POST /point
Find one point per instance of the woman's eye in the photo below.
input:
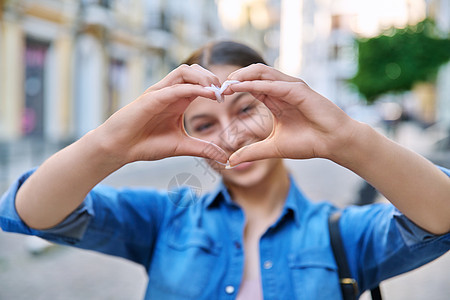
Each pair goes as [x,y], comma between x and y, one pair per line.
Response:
[246,109]
[203,127]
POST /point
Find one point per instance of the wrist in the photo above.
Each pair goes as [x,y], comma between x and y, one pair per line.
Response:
[101,151]
[357,148]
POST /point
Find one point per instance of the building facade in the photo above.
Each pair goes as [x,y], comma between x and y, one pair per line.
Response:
[65,66]
[317,43]
[440,11]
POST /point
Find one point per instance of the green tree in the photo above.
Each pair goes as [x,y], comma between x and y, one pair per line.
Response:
[398,58]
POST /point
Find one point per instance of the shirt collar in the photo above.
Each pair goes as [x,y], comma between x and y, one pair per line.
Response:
[296,203]
[217,195]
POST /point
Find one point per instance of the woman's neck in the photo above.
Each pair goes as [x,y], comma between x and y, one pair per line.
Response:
[266,197]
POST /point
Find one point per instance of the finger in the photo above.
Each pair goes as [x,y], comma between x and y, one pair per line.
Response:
[256,151]
[278,89]
[225,88]
[172,94]
[261,72]
[290,92]
[206,71]
[187,74]
[196,147]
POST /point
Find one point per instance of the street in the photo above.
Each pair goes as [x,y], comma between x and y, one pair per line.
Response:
[66,273]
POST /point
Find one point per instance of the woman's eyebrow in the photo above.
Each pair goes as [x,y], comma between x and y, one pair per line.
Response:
[199,116]
[239,96]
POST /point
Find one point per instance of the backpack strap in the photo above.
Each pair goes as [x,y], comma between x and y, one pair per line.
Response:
[349,286]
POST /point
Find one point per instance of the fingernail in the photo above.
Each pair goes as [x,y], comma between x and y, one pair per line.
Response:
[228,166]
[218,91]
[226,84]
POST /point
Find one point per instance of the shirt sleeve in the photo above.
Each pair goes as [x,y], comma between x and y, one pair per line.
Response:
[446,171]
[121,222]
[381,243]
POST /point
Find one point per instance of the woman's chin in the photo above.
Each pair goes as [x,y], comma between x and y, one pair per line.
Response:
[248,174]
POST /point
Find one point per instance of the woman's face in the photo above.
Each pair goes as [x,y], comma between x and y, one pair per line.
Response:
[240,120]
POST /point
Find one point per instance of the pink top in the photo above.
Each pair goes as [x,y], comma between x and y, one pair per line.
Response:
[250,290]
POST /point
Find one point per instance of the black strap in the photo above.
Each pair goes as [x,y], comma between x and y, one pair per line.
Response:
[349,286]
[376,293]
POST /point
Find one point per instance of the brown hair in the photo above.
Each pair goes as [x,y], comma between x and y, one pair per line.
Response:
[225,53]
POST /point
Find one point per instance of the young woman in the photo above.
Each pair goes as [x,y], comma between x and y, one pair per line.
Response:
[256,236]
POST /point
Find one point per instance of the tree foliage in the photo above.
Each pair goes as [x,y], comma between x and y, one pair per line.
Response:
[395,60]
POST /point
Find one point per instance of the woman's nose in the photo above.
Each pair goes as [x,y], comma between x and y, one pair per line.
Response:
[234,135]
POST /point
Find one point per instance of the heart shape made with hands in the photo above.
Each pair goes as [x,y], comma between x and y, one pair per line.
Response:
[255,116]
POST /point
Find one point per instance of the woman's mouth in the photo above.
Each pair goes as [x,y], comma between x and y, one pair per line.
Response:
[243,166]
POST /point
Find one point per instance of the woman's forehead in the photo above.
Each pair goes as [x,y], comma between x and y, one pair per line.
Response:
[222,71]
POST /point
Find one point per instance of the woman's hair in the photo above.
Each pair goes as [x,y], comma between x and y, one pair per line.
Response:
[225,53]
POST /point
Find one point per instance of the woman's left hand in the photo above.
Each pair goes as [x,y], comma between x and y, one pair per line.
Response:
[306,125]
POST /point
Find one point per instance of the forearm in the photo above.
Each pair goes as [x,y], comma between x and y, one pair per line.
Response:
[60,185]
[413,184]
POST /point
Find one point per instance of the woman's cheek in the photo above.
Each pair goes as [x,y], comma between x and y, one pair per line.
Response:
[260,125]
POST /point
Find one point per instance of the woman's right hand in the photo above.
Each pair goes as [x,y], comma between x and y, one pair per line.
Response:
[148,128]
[151,127]
[306,124]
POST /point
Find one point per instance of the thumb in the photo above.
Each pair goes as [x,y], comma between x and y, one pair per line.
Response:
[259,150]
[196,147]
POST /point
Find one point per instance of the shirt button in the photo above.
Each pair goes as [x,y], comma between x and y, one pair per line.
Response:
[268,264]
[229,289]
[237,245]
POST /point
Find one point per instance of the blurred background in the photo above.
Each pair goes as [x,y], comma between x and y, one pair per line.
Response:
[65,66]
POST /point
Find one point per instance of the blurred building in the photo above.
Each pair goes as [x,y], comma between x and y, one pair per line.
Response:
[67,65]
[315,40]
[317,44]
[439,10]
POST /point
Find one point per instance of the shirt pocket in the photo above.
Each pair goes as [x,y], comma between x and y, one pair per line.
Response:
[181,266]
[314,274]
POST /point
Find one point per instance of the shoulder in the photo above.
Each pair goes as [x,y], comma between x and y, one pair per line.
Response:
[366,213]
[360,220]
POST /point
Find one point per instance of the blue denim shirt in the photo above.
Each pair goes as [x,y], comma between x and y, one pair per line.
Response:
[192,247]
